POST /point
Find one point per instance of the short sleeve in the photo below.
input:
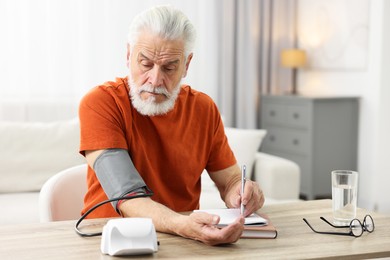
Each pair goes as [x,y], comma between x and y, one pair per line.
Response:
[101,123]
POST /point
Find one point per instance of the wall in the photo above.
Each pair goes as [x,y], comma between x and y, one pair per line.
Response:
[382,181]
[371,84]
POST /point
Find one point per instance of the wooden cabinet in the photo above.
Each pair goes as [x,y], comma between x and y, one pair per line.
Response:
[318,133]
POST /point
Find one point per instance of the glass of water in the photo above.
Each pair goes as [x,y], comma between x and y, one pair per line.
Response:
[344,196]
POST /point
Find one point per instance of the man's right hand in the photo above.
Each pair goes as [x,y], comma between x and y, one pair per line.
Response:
[201,226]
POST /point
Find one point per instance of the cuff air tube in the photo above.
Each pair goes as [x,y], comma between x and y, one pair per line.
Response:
[118,175]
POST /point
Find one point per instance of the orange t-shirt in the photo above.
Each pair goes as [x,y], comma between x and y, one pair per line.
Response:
[169,151]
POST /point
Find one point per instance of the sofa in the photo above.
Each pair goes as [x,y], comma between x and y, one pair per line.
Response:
[41,138]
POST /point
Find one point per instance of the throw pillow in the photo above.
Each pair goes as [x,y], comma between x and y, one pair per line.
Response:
[244,144]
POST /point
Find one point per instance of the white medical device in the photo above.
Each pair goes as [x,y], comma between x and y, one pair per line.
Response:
[129,236]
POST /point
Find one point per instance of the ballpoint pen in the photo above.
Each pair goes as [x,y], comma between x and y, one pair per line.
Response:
[243,175]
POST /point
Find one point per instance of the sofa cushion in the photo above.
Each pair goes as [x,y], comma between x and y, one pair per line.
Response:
[19,208]
[33,152]
[244,144]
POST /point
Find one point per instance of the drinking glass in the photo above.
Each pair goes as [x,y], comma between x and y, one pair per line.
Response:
[344,196]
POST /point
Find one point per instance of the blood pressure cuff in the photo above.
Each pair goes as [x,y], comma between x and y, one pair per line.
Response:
[118,175]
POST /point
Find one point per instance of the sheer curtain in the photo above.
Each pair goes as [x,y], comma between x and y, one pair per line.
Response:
[252,34]
[59,49]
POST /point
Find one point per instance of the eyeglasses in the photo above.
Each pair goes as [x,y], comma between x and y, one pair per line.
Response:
[356,228]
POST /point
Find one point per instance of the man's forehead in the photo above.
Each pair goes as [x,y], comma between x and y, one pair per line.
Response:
[156,54]
[154,46]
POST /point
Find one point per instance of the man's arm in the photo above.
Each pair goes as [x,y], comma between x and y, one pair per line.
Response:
[198,226]
[228,182]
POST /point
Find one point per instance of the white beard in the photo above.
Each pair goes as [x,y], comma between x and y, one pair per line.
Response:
[149,107]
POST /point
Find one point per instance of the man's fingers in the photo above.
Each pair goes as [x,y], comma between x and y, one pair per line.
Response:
[225,235]
[253,198]
[250,188]
[205,218]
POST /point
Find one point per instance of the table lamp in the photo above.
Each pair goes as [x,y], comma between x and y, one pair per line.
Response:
[294,59]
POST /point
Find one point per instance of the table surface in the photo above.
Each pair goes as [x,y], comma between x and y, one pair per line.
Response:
[57,240]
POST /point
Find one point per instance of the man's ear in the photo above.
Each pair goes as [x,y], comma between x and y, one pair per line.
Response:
[188,61]
[128,56]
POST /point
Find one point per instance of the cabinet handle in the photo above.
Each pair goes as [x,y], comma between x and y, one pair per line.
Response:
[272,113]
[295,142]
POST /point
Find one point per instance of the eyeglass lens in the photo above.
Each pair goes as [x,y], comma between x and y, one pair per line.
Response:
[368,224]
[356,228]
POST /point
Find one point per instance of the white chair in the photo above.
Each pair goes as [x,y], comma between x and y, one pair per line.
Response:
[62,196]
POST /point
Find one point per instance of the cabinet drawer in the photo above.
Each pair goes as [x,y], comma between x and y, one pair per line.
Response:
[286,115]
[290,140]
[298,116]
[274,114]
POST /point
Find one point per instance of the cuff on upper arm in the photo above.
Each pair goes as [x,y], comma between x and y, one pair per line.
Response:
[117,174]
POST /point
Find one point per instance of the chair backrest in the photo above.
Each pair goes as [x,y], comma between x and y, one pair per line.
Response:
[62,196]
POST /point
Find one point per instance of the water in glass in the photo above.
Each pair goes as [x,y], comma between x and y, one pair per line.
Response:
[344,203]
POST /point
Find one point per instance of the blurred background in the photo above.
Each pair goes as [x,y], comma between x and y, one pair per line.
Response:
[56,50]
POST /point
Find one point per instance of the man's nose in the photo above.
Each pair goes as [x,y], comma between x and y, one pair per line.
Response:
[155,77]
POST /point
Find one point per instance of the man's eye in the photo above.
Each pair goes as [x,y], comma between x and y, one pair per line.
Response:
[169,68]
[146,65]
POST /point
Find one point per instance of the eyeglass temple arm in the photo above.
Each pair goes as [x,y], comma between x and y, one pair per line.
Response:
[322,218]
[328,233]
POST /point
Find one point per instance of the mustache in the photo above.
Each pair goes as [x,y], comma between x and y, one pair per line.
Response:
[155,90]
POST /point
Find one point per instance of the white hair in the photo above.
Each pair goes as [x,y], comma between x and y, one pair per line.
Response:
[165,21]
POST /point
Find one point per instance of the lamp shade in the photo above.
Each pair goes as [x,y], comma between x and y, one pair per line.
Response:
[293,58]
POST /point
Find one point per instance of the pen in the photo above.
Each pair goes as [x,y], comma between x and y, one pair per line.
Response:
[243,175]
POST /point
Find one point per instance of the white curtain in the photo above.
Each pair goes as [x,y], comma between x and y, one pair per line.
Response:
[252,34]
[59,49]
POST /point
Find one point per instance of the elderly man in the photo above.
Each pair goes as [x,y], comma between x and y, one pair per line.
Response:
[147,138]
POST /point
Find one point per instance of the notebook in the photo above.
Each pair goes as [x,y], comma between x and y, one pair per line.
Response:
[255,226]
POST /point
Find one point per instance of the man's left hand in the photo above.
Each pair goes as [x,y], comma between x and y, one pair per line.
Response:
[253,198]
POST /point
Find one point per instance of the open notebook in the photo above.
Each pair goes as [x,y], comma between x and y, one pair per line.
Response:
[256,226]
